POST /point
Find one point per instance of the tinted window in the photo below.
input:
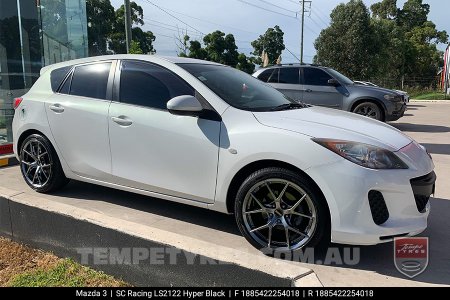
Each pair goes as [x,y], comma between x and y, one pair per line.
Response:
[90,80]
[274,77]
[148,85]
[57,76]
[65,88]
[315,76]
[264,76]
[289,75]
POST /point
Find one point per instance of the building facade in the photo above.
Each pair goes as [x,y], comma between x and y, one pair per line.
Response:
[33,34]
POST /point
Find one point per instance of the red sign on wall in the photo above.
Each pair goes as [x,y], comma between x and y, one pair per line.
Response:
[6,149]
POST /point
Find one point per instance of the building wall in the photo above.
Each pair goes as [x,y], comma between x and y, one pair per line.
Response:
[33,34]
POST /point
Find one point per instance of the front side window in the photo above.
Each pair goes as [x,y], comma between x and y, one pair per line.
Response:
[90,80]
[239,89]
[148,85]
[314,76]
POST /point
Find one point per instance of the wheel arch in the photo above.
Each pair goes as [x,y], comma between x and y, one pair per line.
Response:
[248,169]
[26,134]
[375,101]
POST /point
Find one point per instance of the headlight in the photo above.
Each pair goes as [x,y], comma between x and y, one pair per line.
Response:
[368,156]
[394,98]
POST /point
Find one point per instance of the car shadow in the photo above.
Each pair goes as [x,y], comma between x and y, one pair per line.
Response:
[160,207]
[420,127]
[415,105]
[380,258]
[437,148]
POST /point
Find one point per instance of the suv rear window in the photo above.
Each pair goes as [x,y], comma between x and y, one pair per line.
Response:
[264,76]
[289,75]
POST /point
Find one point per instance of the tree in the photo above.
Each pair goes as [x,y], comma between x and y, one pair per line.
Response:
[245,64]
[101,18]
[135,48]
[348,45]
[118,39]
[272,42]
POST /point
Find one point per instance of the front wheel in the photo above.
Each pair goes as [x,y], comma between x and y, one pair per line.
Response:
[369,109]
[278,210]
[40,165]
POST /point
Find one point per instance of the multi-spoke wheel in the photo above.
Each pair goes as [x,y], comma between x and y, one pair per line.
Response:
[40,165]
[370,110]
[279,210]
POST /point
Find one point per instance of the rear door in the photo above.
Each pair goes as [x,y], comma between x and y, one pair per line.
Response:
[287,81]
[78,118]
[316,89]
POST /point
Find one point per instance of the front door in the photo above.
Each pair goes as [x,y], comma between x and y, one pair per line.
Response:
[317,91]
[154,150]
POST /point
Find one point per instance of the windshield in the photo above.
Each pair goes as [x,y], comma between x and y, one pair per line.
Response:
[239,89]
[342,78]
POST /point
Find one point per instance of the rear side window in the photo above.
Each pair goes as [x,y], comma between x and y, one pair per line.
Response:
[57,76]
[274,77]
[264,76]
[313,76]
[90,80]
[289,75]
[149,85]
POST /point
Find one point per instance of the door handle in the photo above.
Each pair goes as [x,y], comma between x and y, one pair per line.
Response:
[122,121]
[308,90]
[57,108]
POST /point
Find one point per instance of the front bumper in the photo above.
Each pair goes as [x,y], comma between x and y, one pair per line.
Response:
[346,187]
[397,113]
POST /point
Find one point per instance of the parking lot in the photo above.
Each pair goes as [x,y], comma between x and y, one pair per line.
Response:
[428,123]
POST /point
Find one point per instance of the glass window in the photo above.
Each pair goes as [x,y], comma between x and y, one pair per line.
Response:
[289,75]
[238,88]
[148,85]
[57,76]
[274,77]
[90,80]
[314,76]
[264,76]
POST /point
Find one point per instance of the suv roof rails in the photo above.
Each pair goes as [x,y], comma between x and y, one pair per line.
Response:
[298,64]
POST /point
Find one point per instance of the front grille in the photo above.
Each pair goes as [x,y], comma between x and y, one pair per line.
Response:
[380,213]
[421,202]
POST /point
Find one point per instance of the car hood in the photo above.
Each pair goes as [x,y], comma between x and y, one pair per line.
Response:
[319,122]
[375,89]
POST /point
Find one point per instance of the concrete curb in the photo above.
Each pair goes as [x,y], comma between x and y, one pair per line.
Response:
[62,228]
[430,101]
[8,160]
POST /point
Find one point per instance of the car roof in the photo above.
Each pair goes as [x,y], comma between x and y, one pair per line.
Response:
[143,57]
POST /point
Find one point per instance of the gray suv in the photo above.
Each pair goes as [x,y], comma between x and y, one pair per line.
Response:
[323,86]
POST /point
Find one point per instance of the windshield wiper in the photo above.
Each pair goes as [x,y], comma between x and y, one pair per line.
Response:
[288,106]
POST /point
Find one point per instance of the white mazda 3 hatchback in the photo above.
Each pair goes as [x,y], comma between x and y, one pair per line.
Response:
[208,135]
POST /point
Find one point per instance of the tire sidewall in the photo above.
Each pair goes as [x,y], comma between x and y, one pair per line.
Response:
[277,173]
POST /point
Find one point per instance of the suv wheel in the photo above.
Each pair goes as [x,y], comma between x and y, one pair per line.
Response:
[40,165]
[369,109]
[277,210]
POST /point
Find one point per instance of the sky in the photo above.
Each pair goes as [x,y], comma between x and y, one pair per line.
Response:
[246,21]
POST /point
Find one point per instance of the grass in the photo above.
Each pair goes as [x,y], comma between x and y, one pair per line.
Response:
[66,273]
[23,266]
[429,95]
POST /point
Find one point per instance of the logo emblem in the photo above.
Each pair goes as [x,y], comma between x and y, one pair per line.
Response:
[411,255]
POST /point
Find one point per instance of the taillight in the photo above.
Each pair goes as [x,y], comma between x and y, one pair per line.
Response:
[17,102]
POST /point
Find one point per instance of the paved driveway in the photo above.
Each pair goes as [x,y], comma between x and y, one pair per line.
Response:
[428,123]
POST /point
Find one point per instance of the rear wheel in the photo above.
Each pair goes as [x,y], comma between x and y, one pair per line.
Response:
[40,165]
[278,210]
[369,109]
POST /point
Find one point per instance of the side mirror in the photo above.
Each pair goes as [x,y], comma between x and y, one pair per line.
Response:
[185,105]
[333,82]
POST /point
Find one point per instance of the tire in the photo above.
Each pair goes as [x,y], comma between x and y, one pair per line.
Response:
[314,219]
[40,165]
[369,109]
